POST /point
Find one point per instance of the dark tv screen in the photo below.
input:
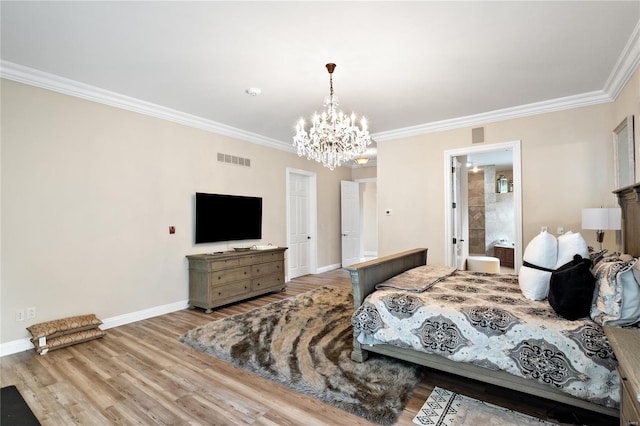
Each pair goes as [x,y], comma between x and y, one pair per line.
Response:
[222,217]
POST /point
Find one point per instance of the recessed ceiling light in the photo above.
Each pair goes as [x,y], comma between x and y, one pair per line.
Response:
[253,91]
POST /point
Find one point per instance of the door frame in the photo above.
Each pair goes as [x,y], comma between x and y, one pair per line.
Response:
[516,157]
[312,218]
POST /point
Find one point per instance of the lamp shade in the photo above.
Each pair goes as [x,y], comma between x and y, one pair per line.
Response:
[602,218]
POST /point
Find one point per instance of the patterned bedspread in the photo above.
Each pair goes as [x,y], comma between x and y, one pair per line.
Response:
[485,320]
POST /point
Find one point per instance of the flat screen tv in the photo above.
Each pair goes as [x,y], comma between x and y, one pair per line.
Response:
[222,217]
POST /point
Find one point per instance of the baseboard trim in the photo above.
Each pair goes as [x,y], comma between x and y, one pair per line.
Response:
[328,268]
[25,344]
[143,314]
[15,346]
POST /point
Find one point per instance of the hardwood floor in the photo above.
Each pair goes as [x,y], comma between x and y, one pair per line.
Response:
[141,374]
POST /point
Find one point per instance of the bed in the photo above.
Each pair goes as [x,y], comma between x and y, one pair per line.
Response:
[366,276]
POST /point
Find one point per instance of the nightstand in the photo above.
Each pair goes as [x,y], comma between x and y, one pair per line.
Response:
[625,343]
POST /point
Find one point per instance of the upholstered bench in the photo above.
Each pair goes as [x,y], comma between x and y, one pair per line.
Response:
[483,264]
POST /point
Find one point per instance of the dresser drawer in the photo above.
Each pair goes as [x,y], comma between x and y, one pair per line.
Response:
[268,257]
[266,268]
[223,264]
[228,275]
[275,281]
[226,291]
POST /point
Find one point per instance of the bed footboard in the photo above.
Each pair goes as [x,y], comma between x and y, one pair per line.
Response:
[365,276]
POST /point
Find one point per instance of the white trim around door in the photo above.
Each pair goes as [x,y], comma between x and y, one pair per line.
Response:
[515,148]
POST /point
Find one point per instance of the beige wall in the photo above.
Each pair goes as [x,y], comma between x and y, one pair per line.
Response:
[367,172]
[88,194]
[567,164]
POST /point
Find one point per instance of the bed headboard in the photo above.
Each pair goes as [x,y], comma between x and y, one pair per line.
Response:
[365,276]
[629,200]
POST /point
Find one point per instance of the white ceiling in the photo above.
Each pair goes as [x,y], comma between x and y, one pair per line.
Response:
[405,65]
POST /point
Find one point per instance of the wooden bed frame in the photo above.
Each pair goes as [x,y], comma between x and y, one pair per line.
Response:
[365,276]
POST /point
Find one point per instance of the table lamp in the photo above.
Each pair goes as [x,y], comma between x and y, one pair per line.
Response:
[601,219]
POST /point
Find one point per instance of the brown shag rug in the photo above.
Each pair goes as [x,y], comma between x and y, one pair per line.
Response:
[304,342]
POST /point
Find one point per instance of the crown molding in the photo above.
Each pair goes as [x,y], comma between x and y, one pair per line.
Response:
[33,77]
[559,104]
[622,71]
[625,66]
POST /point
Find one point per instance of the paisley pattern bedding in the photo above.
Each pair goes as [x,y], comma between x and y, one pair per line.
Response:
[485,320]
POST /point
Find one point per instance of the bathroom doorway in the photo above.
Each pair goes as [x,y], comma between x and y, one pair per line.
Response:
[484,204]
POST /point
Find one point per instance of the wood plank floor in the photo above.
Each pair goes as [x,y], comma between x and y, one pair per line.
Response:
[141,374]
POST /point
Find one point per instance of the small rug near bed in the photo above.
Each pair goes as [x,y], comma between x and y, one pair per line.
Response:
[14,409]
[446,408]
[304,342]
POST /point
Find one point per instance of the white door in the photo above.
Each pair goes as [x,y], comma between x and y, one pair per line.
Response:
[299,241]
[350,222]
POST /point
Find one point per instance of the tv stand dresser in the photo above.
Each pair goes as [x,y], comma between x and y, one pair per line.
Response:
[222,278]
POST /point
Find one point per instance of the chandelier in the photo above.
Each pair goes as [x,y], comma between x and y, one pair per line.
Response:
[334,137]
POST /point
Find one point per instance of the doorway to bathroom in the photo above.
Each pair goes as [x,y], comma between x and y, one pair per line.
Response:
[483,217]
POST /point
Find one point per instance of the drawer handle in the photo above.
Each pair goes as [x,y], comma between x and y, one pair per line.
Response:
[245,272]
[219,277]
[258,284]
[219,293]
[258,270]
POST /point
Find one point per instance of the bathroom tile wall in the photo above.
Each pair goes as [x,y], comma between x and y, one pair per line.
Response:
[476,213]
[491,216]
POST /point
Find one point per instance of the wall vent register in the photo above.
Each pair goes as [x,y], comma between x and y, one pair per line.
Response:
[232,159]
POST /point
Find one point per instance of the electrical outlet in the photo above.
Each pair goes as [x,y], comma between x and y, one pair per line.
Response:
[20,315]
[31,312]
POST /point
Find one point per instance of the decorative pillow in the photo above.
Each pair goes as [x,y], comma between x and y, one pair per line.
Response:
[65,340]
[58,327]
[616,300]
[63,332]
[570,244]
[596,256]
[571,289]
[542,251]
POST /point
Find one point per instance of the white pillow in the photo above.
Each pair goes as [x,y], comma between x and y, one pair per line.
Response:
[569,245]
[541,251]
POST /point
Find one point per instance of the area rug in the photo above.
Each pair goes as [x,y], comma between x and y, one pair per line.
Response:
[304,342]
[14,409]
[444,407]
